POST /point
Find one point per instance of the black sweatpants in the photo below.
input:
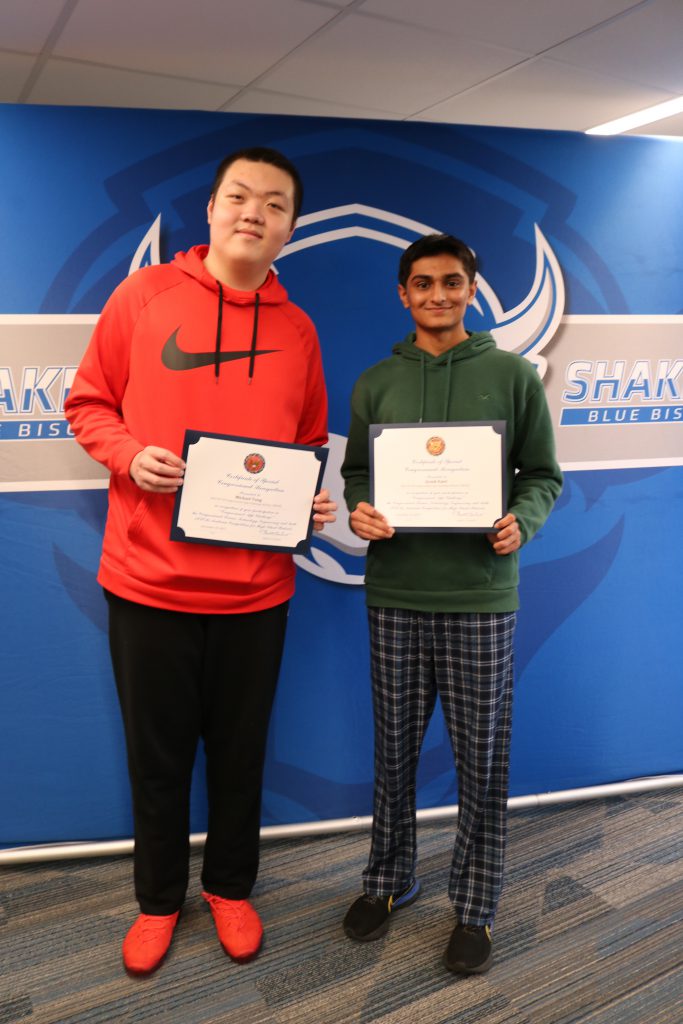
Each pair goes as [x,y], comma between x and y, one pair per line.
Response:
[181,676]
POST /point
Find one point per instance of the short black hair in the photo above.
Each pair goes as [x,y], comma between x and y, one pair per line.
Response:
[262,155]
[436,245]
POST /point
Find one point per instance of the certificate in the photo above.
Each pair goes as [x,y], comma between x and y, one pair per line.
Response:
[439,477]
[246,492]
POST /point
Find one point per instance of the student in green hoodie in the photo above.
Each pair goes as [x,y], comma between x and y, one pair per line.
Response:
[442,606]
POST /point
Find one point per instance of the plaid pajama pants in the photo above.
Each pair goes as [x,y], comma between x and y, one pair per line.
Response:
[468,659]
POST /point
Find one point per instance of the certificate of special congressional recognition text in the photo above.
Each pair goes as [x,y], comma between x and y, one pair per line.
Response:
[247,492]
[439,476]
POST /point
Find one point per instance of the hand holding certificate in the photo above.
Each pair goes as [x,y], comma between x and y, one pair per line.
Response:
[247,492]
[439,476]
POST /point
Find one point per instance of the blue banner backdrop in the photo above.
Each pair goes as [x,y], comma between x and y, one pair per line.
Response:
[581,248]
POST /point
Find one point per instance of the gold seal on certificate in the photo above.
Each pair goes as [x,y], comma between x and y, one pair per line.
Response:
[436,445]
[247,492]
[439,476]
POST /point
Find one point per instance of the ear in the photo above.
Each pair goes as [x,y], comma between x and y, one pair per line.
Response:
[403,296]
[209,210]
[472,292]
[291,232]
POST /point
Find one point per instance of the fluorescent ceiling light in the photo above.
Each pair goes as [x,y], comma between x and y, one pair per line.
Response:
[647,116]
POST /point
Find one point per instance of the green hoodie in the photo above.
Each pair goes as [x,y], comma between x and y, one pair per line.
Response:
[454,572]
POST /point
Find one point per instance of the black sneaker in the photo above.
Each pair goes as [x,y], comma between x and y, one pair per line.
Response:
[368,917]
[469,950]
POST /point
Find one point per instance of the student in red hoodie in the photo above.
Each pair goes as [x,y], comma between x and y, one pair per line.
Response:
[211,342]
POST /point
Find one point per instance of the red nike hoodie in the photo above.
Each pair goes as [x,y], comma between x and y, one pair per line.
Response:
[176,350]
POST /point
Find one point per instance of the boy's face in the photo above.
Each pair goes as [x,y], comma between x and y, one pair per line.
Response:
[437,292]
[251,214]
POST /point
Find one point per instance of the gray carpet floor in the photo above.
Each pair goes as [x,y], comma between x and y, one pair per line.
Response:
[589,931]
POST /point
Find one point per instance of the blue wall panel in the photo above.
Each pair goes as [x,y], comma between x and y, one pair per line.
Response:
[599,695]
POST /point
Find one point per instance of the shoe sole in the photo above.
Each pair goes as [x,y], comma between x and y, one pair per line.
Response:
[242,959]
[463,969]
[371,936]
[134,972]
[383,928]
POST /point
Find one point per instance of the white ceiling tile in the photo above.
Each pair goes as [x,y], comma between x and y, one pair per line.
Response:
[62,82]
[391,67]
[260,101]
[215,40]
[348,58]
[14,70]
[672,126]
[530,25]
[26,24]
[536,96]
[645,46]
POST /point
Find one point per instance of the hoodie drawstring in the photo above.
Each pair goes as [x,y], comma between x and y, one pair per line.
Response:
[447,399]
[423,384]
[219,329]
[219,326]
[252,357]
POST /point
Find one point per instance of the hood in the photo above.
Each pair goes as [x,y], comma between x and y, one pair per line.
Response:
[475,344]
[270,293]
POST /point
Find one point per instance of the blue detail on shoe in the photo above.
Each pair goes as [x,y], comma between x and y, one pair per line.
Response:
[407,896]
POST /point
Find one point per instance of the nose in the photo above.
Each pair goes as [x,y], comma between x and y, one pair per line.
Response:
[252,211]
[438,293]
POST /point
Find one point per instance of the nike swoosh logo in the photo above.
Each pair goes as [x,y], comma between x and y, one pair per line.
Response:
[175,358]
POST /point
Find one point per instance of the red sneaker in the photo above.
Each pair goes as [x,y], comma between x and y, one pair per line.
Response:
[238,925]
[147,942]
